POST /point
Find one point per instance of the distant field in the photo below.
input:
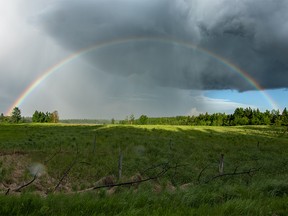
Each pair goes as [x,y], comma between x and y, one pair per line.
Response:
[73,158]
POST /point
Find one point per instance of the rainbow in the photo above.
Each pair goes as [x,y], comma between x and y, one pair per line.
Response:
[81,52]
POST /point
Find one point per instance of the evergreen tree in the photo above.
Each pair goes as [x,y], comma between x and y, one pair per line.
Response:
[239,117]
[48,117]
[255,119]
[276,117]
[284,117]
[248,112]
[16,115]
[2,117]
[35,116]
[266,118]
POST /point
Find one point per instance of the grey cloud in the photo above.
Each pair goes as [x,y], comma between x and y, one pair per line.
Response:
[252,34]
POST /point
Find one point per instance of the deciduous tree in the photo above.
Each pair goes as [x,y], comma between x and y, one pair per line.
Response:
[55,117]
[143,119]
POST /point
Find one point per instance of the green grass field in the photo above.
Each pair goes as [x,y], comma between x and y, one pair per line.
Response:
[67,159]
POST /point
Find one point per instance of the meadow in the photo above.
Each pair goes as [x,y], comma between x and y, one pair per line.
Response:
[64,169]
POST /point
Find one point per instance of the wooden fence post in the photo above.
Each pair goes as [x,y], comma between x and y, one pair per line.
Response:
[94,144]
[221,165]
[120,164]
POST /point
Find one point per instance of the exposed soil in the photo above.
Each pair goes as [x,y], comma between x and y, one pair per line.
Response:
[17,170]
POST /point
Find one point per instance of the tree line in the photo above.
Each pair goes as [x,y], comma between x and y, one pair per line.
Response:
[241,116]
[38,117]
[41,117]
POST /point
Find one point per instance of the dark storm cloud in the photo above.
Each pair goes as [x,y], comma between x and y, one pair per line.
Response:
[252,34]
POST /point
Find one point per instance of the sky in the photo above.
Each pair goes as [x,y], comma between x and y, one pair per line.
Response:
[113,58]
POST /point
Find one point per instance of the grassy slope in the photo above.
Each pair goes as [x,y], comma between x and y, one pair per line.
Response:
[196,148]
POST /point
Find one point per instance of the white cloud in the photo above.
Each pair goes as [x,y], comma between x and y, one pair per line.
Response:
[213,105]
[194,112]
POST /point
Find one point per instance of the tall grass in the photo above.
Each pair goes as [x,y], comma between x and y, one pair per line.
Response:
[197,201]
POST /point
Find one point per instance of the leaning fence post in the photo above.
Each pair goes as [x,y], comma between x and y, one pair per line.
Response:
[221,165]
[120,164]
[94,144]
